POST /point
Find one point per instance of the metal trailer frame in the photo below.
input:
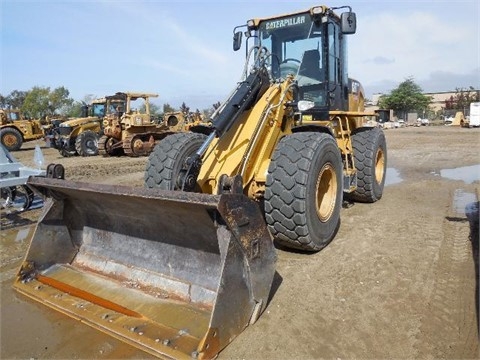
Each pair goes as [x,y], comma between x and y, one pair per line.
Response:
[14,173]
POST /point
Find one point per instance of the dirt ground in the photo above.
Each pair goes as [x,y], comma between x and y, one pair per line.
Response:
[399,281]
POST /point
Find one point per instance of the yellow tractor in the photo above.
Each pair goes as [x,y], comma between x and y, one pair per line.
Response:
[131,130]
[79,136]
[183,266]
[15,129]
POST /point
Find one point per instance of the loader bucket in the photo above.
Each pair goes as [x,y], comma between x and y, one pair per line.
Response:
[176,274]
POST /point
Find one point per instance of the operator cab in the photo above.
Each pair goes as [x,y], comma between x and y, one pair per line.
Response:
[310,46]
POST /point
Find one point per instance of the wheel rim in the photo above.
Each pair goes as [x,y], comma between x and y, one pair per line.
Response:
[91,144]
[379,166]
[326,193]
[9,140]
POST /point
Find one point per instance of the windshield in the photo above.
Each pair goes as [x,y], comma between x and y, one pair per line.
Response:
[296,43]
[98,110]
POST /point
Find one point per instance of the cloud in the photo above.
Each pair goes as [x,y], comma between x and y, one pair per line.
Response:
[380,60]
[449,81]
[389,47]
[162,26]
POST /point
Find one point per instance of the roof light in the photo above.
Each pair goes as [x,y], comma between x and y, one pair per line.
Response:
[318,10]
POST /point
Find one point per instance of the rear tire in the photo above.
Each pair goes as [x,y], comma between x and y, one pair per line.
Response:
[303,193]
[86,143]
[11,138]
[370,155]
[166,160]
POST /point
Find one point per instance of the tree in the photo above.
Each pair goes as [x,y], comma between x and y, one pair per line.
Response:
[74,109]
[462,99]
[36,102]
[216,105]
[13,100]
[185,109]
[155,110]
[407,97]
[58,99]
[168,108]
[450,103]
[41,102]
[207,113]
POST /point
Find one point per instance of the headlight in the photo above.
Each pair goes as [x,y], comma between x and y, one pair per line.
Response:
[304,105]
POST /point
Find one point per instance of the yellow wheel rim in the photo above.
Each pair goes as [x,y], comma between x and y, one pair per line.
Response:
[326,192]
[379,166]
[10,140]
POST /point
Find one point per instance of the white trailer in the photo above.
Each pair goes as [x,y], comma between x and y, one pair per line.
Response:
[474,114]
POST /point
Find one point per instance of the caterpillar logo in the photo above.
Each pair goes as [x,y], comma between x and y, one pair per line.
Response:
[277,24]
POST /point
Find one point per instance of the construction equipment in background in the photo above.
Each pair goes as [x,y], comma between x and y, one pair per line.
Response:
[178,121]
[385,119]
[79,136]
[182,267]
[384,115]
[130,131]
[457,120]
[15,194]
[15,129]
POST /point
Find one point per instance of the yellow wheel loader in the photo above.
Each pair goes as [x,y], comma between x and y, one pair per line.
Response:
[181,267]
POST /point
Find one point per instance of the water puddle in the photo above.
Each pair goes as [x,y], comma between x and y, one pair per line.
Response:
[392,177]
[467,174]
[464,203]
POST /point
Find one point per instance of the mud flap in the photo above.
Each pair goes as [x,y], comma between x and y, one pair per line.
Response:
[175,274]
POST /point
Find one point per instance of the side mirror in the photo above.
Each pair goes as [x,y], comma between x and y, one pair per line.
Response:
[348,23]
[237,40]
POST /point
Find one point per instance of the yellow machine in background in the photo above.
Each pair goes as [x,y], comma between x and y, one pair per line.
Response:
[15,129]
[179,121]
[182,267]
[79,136]
[131,130]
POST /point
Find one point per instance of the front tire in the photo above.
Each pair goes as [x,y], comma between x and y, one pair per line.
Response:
[370,156]
[303,193]
[86,144]
[11,138]
[166,161]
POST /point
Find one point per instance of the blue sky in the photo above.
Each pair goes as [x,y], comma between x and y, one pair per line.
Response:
[182,50]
